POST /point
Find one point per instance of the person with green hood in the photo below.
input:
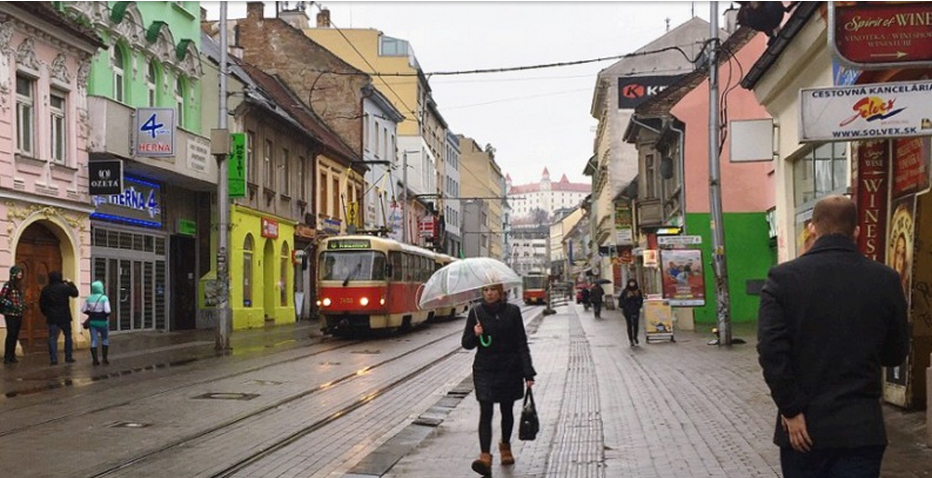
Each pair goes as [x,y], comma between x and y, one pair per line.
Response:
[97,308]
[12,306]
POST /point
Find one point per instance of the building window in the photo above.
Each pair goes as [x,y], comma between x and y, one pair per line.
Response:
[322,200]
[283,285]
[649,171]
[385,143]
[376,148]
[268,179]
[151,82]
[365,131]
[285,170]
[179,100]
[25,114]
[821,171]
[247,270]
[336,199]
[58,128]
[251,157]
[119,77]
[302,188]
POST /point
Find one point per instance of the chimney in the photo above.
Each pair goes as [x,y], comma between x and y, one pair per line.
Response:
[255,10]
[295,18]
[323,18]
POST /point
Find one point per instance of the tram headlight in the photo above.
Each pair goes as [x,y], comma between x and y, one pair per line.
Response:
[327,302]
[364,301]
[318,303]
[382,301]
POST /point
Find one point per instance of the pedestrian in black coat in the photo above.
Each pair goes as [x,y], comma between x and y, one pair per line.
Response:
[596,293]
[55,302]
[630,302]
[501,369]
[828,322]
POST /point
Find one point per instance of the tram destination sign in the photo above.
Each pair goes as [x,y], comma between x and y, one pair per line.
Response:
[349,244]
[881,34]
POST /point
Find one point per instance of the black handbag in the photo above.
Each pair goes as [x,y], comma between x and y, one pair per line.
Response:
[530,424]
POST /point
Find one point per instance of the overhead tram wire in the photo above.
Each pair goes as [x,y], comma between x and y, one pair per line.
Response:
[364,59]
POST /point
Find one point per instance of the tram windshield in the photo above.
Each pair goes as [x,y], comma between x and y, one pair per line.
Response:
[351,266]
[534,282]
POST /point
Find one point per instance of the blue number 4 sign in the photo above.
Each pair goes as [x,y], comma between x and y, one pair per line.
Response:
[151,126]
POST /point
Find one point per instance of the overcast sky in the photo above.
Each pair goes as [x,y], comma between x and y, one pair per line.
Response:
[533,118]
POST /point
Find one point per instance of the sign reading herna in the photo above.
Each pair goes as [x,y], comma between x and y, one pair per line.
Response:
[139,203]
[154,134]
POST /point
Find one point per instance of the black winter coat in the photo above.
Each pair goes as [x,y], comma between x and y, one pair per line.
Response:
[828,321]
[55,300]
[499,370]
[630,302]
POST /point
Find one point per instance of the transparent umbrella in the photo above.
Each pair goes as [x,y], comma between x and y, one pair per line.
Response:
[462,281]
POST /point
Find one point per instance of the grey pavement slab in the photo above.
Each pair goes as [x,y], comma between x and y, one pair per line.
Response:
[658,410]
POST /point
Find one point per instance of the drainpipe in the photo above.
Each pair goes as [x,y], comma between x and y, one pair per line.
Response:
[682,147]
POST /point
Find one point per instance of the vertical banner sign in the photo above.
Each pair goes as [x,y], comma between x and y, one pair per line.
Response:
[872,158]
[910,166]
[624,230]
[236,164]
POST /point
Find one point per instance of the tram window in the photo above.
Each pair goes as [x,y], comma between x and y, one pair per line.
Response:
[352,266]
[397,266]
[409,268]
[378,267]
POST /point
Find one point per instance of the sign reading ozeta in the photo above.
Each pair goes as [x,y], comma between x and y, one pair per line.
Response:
[106,177]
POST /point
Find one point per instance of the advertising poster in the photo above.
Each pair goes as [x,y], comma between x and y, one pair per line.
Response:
[624,229]
[910,166]
[900,258]
[683,278]
[658,319]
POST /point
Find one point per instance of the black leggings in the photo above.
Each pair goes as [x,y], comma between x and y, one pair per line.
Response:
[485,423]
[632,320]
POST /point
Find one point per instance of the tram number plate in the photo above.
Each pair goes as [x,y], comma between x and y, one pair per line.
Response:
[346,300]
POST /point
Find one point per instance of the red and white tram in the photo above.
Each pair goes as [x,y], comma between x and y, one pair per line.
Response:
[370,283]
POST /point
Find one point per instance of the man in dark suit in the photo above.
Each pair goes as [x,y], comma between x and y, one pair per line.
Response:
[828,322]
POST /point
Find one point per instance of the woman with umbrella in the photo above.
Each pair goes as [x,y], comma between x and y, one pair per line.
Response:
[501,369]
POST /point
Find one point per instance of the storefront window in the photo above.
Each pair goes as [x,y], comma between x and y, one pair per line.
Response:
[821,171]
[285,265]
[248,248]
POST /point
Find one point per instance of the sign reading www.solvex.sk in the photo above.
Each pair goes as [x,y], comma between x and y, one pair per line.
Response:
[857,112]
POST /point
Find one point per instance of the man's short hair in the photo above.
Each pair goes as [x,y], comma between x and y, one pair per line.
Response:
[835,214]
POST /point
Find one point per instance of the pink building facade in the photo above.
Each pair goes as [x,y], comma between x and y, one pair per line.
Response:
[44,201]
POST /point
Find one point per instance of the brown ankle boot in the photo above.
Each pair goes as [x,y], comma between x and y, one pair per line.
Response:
[507,457]
[483,464]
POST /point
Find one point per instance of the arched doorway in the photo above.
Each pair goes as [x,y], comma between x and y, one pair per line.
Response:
[38,252]
[268,280]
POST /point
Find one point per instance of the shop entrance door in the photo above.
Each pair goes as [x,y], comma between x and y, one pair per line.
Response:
[183,284]
[130,286]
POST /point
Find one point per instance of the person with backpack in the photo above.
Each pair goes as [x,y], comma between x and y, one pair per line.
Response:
[12,306]
[97,308]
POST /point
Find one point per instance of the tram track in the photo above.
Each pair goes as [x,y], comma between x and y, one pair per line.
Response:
[329,417]
[111,406]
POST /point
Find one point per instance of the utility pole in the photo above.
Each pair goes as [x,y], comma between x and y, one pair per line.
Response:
[220,147]
[715,188]
[404,191]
